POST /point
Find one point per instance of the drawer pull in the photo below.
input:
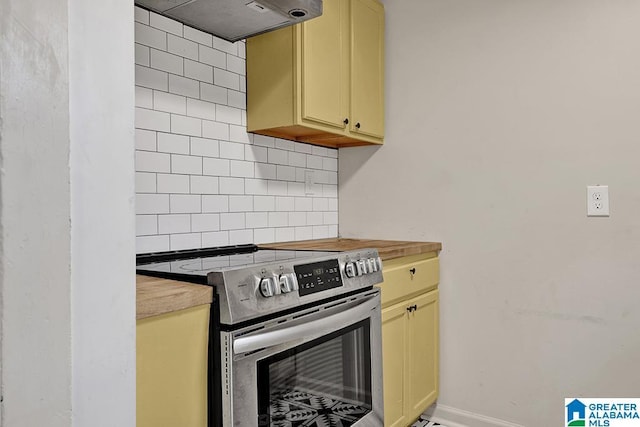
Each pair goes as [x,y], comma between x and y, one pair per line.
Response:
[412,271]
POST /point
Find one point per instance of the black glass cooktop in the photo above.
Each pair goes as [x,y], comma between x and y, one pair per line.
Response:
[194,265]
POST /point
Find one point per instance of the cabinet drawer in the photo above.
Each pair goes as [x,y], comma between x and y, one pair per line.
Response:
[409,276]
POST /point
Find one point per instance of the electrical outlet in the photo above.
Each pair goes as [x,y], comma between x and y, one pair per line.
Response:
[309,183]
[598,200]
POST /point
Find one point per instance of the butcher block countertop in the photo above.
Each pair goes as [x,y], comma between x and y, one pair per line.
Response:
[388,249]
[155,296]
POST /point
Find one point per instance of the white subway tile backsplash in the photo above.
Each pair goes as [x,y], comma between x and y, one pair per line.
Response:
[170,224]
[141,15]
[285,203]
[198,71]
[171,143]
[278,157]
[225,46]
[235,64]
[255,154]
[215,130]
[303,233]
[150,78]
[217,238]
[264,235]
[241,169]
[165,24]
[152,120]
[180,203]
[239,134]
[173,184]
[149,204]
[201,179]
[146,225]
[204,147]
[213,93]
[297,219]
[231,150]
[147,244]
[240,237]
[186,125]
[226,79]
[168,102]
[197,35]
[215,204]
[285,173]
[183,86]
[285,234]
[145,140]
[168,62]
[186,164]
[227,114]
[148,161]
[278,219]
[231,185]
[265,171]
[213,57]
[142,55]
[204,184]
[205,222]
[216,167]
[264,203]
[237,99]
[255,186]
[232,221]
[257,219]
[240,203]
[151,37]
[144,97]
[185,241]
[182,47]
[201,109]
[145,182]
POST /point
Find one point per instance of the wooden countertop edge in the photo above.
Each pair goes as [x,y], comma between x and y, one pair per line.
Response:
[156,296]
[388,249]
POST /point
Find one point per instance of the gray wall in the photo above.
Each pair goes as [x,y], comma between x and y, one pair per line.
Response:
[499,114]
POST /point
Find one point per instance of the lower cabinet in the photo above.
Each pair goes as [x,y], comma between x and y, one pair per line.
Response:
[171,364]
[409,337]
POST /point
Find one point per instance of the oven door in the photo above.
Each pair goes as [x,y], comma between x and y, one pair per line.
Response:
[320,367]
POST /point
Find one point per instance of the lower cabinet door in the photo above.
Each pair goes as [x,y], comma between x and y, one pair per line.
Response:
[422,354]
[394,336]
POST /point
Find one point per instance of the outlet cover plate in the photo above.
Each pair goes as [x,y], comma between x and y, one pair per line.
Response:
[598,200]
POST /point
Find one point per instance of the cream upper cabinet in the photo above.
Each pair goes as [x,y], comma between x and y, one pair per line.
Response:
[409,337]
[321,81]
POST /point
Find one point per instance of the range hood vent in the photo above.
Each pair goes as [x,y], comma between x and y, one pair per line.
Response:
[234,20]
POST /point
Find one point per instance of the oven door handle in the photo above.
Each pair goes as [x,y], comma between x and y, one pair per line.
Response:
[304,330]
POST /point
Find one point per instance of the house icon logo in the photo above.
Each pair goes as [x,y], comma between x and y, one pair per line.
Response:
[576,413]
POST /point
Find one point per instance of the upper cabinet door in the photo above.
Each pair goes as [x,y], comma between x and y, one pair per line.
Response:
[367,68]
[324,66]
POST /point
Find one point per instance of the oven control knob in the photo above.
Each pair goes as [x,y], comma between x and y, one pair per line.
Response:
[378,262]
[269,286]
[361,268]
[371,265]
[288,283]
[350,269]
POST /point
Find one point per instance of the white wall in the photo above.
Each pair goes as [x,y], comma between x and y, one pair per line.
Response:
[66,214]
[498,115]
[201,179]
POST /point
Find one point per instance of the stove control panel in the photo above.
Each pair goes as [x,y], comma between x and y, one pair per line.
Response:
[317,276]
[362,267]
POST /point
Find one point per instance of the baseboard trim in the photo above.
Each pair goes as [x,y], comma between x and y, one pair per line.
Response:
[454,417]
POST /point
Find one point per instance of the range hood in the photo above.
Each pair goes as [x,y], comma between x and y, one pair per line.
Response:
[233,20]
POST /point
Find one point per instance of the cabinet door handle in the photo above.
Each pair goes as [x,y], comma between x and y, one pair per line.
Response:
[346,121]
[358,125]
[412,271]
[412,308]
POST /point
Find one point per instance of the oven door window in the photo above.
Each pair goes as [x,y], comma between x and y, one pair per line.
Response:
[325,382]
